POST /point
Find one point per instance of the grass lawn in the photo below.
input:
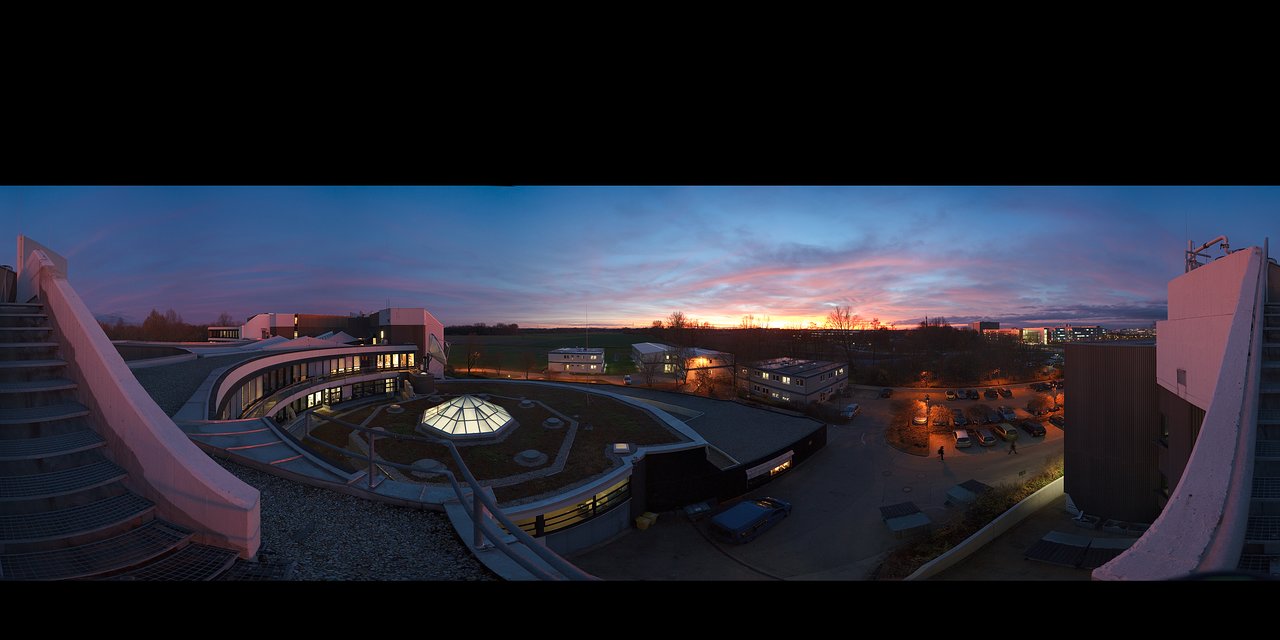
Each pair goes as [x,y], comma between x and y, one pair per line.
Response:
[508,352]
[611,421]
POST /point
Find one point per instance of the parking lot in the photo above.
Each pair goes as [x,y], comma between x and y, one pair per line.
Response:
[835,529]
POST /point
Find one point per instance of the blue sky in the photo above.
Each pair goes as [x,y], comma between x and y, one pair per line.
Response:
[547,256]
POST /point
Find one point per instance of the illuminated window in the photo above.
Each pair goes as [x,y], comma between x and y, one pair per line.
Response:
[410,362]
[786,379]
[382,334]
[593,366]
[295,333]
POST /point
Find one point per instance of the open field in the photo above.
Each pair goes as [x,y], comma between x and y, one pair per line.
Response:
[510,352]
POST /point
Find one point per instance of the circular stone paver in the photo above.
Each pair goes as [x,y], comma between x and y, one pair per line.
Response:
[426,468]
[553,423]
[531,458]
[395,408]
[526,404]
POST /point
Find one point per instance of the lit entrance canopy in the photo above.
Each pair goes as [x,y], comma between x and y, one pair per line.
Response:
[466,416]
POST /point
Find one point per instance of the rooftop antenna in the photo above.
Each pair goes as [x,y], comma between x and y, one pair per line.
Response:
[1194,255]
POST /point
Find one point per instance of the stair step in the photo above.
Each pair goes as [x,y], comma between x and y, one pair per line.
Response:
[1267,449]
[262,570]
[46,413]
[31,364]
[194,562]
[125,550]
[22,314]
[36,386]
[1259,563]
[61,444]
[28,345]
[25,329]
[64,523]
[58,483]
[1262,529]
[1266,488]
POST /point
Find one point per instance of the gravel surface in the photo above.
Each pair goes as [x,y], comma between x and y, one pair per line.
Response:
[172,385]
[333,536]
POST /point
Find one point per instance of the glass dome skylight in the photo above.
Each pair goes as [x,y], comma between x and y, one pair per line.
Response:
[466,416]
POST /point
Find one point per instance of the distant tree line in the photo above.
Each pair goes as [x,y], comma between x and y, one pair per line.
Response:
[164,327]
[482,329]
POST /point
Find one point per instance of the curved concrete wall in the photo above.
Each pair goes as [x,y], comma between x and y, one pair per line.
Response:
[1202,527]
[188,487]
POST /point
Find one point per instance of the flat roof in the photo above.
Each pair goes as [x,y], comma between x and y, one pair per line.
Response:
[795,367]
[579,350]
[747,433]
[1112,343]
[652,347]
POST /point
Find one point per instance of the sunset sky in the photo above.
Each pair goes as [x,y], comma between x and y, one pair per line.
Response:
[548,256]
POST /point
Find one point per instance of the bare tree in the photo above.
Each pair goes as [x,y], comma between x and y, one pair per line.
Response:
[528,360]
[843,321]
[648,369]
[224,320]
[473,353]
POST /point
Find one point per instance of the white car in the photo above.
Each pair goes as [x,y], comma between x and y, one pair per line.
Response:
[850,411]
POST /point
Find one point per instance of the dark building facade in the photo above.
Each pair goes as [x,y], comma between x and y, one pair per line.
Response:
[1113,454]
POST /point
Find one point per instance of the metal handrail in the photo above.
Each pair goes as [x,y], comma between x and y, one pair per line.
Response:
[479,497]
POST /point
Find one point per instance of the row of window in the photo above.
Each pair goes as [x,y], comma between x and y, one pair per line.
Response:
[765,375]
[334,395]
[575,356]
[273,380]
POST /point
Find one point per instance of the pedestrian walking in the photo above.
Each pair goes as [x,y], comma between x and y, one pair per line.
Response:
[1013,446]
[942,452]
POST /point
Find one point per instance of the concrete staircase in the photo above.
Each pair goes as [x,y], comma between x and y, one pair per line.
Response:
[66,511]
[1261,553]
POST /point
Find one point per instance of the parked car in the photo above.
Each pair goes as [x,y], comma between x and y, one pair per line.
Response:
[951,395]
[941,421]
[626,379]
[850,411]
[1007,413]
[1004,430]
[962,438]
[1058,421]
[972,394]
[742,522]
[886,392]
[1005,392]
[957,417]
[1032,427]
[993,417]
[984,437]
[990,394]
[920,420]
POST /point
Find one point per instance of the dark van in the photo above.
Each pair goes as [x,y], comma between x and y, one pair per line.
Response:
[742,522]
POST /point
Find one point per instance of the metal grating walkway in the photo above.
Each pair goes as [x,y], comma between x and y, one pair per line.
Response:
[194,562]
[1259,563]
[1266,488]
[1263,528]
[46,413]
[62,523]
[59,483]
[30,448]
[137,545]
[1268,449]
[260,571]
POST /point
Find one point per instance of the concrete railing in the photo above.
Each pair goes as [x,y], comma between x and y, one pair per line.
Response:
[1203,525]
[188,487]
[1005,521]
